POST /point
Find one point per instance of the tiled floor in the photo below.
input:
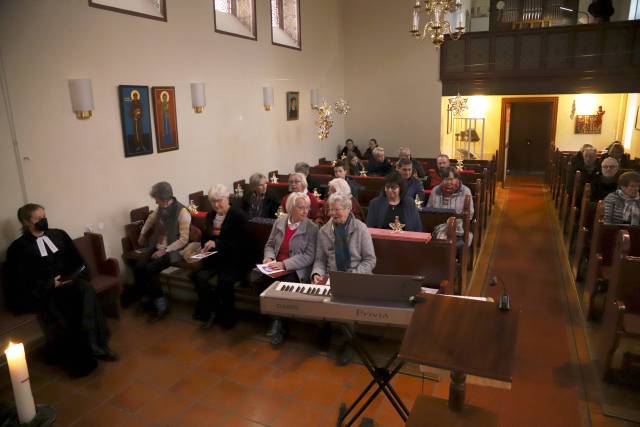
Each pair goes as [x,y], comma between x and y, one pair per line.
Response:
[174,374]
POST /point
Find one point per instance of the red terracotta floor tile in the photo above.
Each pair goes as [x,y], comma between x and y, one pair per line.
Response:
[250,373]
[134,396]
[319,392]
[55,392]
[298,414]
[225,394]
[219,362]
[261,407]
[236,421]
[199,416]
[195,384]
[108,416]
[70,410]
[163,409]
[284,383]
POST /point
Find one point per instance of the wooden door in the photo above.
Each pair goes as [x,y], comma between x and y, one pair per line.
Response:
[529,136]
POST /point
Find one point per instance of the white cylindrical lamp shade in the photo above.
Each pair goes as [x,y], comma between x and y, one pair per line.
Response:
[19,373]
[267,97]
[198,98]
[81,97]
[315,98]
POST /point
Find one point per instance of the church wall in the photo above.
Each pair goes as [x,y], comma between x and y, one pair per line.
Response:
[391,79]
[77,169]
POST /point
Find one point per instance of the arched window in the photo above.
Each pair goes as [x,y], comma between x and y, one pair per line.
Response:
[236,18]
[285,23]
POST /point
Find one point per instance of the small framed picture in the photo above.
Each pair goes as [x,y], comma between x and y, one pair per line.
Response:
[165,118]
[293,102]
[136,120]
[154,9]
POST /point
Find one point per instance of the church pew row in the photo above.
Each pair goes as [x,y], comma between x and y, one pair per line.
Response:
[621,318]
[603,240]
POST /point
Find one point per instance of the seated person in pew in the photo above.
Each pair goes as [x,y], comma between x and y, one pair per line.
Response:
[616,151]
[47,274]
[623,205]
[298,184]
[304,168]
[413,185]
[340,171]
[450,193]
[168,230]
[349,148]
[354,165]
[589,168]
[259,202]
[391,203]
[339,186]
[291,247]
[442,164]
[344,244]
[379,165]
[368,153]
[418,170]
[226,234]
[606,182]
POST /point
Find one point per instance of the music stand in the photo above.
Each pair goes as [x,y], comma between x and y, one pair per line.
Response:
[464,336]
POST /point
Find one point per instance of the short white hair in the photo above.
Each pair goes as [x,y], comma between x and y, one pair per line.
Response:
[341,186]
[340,199]
[378,150]
[301,177]
[293,197]
[217,192]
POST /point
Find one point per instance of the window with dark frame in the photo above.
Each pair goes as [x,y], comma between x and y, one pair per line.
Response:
[285,23]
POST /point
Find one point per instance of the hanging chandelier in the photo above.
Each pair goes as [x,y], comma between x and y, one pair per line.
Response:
[437,26]
[458,105]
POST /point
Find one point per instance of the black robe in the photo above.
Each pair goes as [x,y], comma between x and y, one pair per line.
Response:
[68,315]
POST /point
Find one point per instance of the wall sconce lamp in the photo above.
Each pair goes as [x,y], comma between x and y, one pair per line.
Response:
[81,97]
[267,97]
[198,99]
[315,99]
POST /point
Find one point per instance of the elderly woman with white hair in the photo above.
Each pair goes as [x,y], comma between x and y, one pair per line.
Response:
[344,244]
[298,184]
[226,234]
[339,186]
[291,247]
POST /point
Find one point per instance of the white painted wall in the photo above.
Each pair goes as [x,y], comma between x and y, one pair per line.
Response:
[391,79]
[228,22]
[77,169]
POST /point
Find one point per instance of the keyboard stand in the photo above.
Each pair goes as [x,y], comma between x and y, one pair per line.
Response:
[381,376]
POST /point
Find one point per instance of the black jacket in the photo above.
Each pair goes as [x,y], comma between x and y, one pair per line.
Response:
[269,204]
[231,244]
[376,168]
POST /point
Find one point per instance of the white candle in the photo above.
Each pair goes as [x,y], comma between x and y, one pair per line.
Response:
[19,372]
[460,20]
[416,22]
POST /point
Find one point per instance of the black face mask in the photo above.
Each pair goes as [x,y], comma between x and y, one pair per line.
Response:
[42,225]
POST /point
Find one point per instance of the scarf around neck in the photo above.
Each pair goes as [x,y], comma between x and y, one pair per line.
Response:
[631,210]
[343,256]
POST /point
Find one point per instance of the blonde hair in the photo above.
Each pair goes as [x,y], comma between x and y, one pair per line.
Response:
[293,198]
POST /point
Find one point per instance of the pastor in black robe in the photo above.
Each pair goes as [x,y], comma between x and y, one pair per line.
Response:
[69,316]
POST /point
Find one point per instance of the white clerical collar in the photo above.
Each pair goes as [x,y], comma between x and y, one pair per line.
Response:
[45,240]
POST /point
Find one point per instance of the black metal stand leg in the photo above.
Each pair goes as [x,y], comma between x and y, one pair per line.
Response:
[382,377]
[457,391]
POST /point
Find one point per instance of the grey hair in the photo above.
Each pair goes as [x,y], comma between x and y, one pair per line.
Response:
[340,199]
[302,178]
[302,167]
[341,186]
[611,160]
[293,197]
[377,150]
[254,180]
[161,190]
[217,192]
[404,150]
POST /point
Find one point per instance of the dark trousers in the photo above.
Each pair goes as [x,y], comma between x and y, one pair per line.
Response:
[73,324]
[218,299]
[146,274]
[259,282]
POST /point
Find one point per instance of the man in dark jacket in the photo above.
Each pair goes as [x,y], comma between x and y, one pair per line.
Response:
[379,165]
[259,202]
[607,181]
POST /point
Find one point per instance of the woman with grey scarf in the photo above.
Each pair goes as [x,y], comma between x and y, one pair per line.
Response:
[623,205]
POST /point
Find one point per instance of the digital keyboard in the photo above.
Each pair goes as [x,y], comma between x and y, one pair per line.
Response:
[305,301]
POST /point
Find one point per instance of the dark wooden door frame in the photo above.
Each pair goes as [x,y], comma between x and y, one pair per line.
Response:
[553,100]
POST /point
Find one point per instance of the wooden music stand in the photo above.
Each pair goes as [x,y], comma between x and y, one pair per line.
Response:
[464,336]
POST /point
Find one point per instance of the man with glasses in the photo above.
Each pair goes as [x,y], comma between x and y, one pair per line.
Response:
[607,181]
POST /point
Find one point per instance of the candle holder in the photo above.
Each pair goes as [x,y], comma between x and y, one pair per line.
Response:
[317,194]
[363,172]
[193,208]
[45,417]
[280,212]
[418,202]
[238,191]
[334,163]
[274,178]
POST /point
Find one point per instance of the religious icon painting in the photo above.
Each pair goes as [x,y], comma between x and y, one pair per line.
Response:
[136,120]
[164,115]
[293,103]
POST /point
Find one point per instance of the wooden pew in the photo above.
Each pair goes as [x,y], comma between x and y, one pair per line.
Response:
[621,317]
[436,260]
[589,214]
[600,257]
[569,203]
[279,190]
